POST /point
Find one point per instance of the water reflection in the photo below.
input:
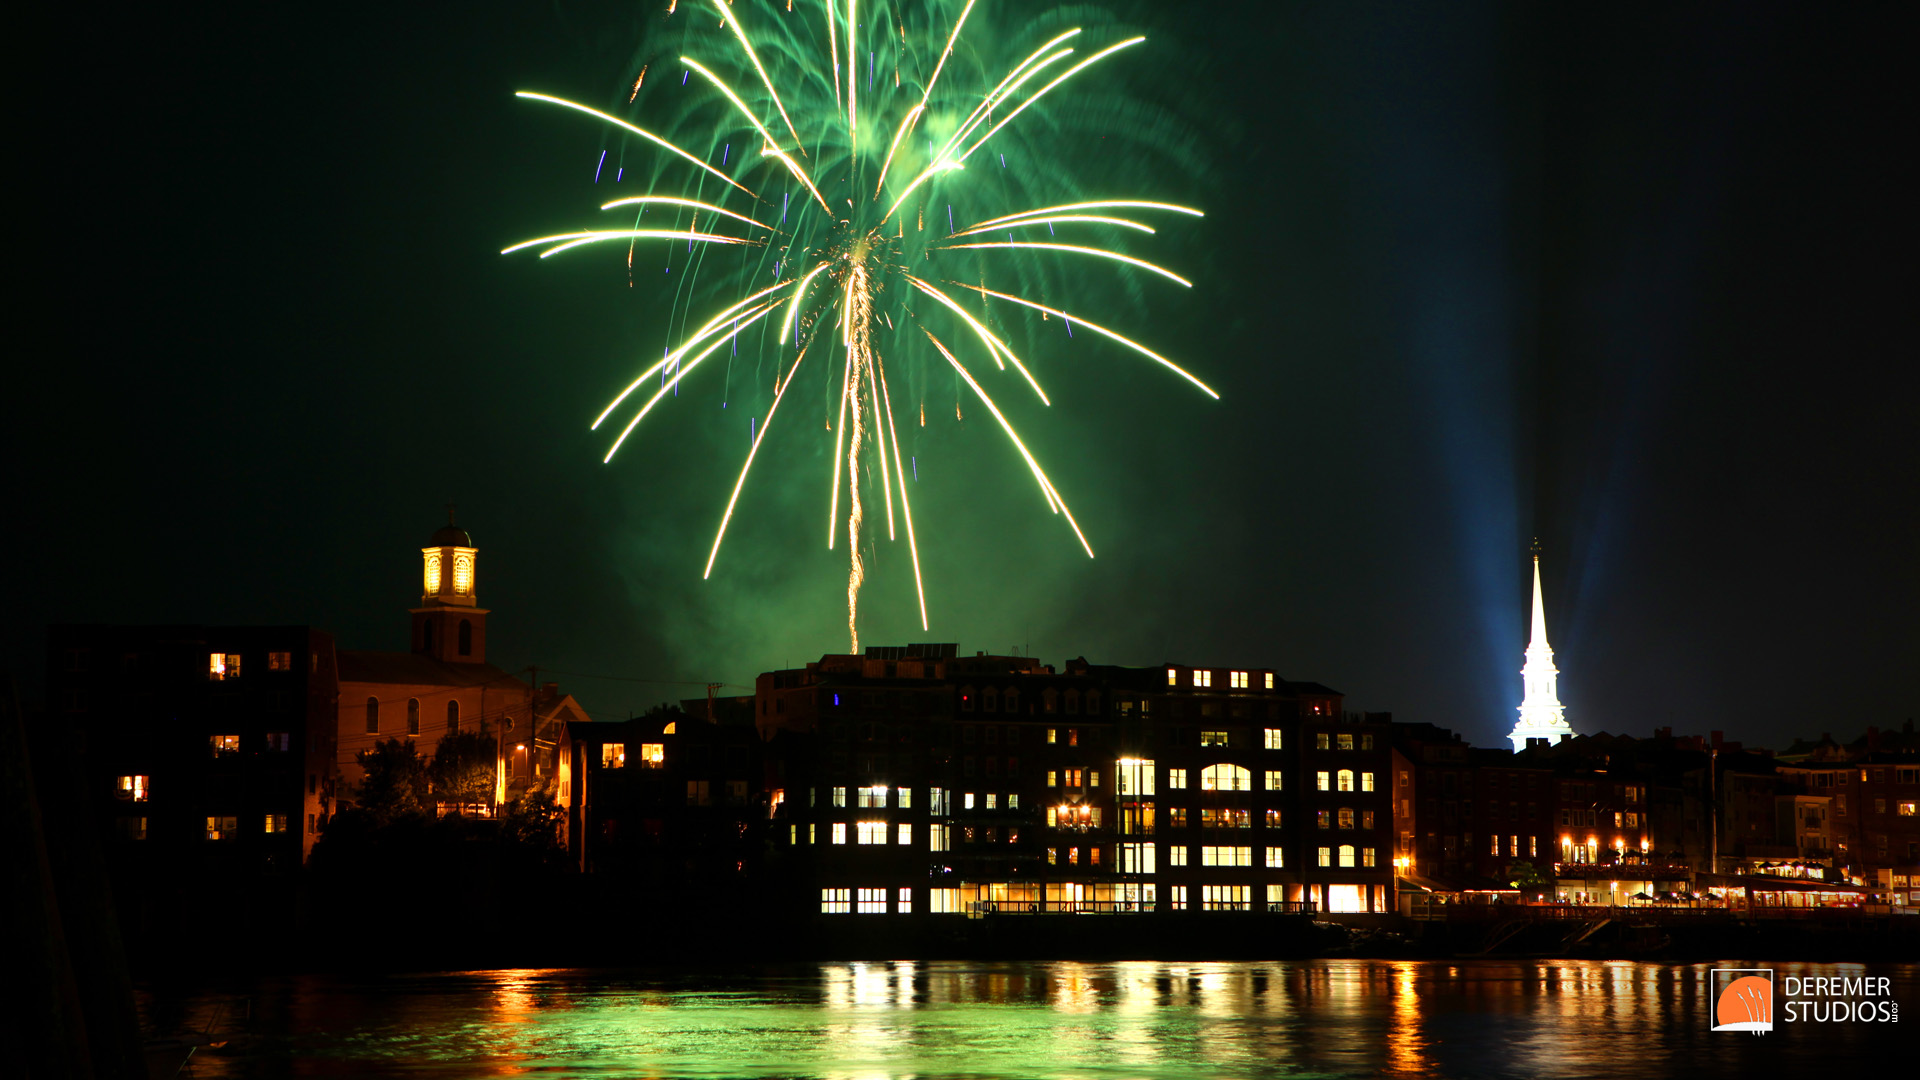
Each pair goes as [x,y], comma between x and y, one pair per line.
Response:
[865,1021]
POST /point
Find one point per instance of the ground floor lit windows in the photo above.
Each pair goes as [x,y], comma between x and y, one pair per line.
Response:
[1346,898]
[872,902]
[223,828]
[1211,855]
[1226,897]
[835,901]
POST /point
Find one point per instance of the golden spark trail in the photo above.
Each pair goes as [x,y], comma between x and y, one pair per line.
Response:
[772,148]
[727,18]
[985,335]
[1077,320]
[617,122]
[1046,486]
[906,508]
[567,241]
[1042,92]
[1141,263]
[839,436]
[695,203]
[799,297]
[1064,219]
[1105,204]
[681,374]
[779,393]
[712,327]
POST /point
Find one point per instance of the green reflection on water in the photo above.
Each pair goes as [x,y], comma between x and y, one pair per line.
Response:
[1038,1020]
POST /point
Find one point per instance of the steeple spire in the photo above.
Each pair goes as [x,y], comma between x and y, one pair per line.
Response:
[1541,714]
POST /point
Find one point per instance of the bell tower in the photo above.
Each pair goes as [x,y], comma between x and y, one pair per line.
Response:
[449,624]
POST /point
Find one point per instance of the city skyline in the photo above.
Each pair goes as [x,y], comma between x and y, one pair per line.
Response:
[1632,293]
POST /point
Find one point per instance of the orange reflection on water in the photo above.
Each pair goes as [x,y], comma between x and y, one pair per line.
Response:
[1406,1047]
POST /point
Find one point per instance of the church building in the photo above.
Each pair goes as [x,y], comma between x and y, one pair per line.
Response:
[1541,714]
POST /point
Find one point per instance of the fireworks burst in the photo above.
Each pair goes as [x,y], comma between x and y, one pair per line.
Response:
[895,134]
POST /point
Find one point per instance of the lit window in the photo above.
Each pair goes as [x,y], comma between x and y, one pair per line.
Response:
[966,801]
[1053,778]
[1073,736]
[613,755]
[1177,779]
[1346,817]
[279,661]
[1346,855]
[1368,856]
[653,755]
[1273,817]
[1226,897]
[1496,845]
[1321,741]
[276,823]
[1274,779]
[1617,816]
[1366,781]
[905,903]
[132,788]
[1322,781]
[1213,738]
[1177,855]
[223,828]
[1074,777]
[1013,801]
[1053,813]
[1274,739]
[1366,819]
[1345,741]
[1323,818]
[1907,808]
[1513,846]
[1366,742]
[1633,819]
[1173,677]
[1533,846]
[1276,859]
[839,796]
[1269,680]
[839,832]
[1177,898]
[938,838]
[1326,856]
[1237,679]
[1345,779]
[992,801]
[1211,855]
[1093,778]
[222,745]
[873,796]
[906,834]
[463,574]
[1225,778]
[433,573]
[836,901]
[1203,678]
[222,666]
[1177,817]
[871,832]
[1134,776]
[1053,736]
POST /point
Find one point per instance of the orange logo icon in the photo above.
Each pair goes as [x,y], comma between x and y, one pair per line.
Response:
[1745,1001]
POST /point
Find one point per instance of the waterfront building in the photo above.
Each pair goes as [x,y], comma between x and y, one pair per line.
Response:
[444,685]
[1541,714]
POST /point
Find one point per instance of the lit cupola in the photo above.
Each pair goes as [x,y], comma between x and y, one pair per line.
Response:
[449,624]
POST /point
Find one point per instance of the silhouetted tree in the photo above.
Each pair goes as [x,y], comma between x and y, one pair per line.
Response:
[396,780]
[464,769]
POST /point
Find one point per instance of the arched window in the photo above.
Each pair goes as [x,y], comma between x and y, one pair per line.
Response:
[373,716]
[1345,779]
[989,700]
[426,632]
[1225,778]
[1346,817]
[453,717]
[1050,700]
[1346,854]
[413,716]
[466,638]
[1073,703]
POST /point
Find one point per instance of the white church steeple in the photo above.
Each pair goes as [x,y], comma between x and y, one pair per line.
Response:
[1541,714]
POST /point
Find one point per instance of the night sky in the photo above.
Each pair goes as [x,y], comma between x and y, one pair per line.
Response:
[1630,280]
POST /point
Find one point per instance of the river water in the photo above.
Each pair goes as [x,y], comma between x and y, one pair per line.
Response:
[1025,1020]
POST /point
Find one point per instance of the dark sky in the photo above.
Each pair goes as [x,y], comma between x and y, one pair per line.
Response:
[1628,279]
